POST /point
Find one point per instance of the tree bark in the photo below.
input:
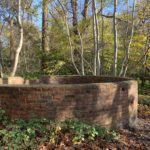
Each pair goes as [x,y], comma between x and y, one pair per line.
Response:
[130,41]
[82,54]
[45,38]
[18,50]
[125,47]
[74,5]
[102,38]
[71,48]
[85,10]
[69,38]
[97,62]
[94,39]
[1,46]
[12,52]
[115,39]
[1,68]
[145,58]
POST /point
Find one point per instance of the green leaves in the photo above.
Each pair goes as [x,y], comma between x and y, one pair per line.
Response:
[144,100]
[21,134]
[84,131]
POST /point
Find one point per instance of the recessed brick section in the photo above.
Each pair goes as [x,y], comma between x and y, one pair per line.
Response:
[106,101]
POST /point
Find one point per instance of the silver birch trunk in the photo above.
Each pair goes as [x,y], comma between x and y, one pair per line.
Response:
[82,53]
[94,39]
[69,38]
[98,63]
[102,37]
[115,39]
[12,53]
[145,57]
[18,50]
[125,47]
[130,41]
[71,47]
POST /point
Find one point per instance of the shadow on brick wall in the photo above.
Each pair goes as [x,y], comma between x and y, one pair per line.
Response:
[107,104]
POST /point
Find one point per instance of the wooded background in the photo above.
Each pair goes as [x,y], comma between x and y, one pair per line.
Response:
[88,37]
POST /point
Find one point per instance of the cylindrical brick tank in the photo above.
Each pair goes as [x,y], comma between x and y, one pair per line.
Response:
[106,101]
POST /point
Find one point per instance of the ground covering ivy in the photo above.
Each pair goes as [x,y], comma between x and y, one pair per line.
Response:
[21,134]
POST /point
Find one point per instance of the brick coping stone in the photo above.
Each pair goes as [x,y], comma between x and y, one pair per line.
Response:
[107,101]
[55,80]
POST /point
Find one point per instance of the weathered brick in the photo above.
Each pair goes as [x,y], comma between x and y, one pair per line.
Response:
[110,102]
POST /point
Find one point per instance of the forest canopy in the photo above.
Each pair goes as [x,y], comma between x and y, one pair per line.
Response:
[70,37]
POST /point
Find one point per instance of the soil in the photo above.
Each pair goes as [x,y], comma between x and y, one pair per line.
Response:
[130,139]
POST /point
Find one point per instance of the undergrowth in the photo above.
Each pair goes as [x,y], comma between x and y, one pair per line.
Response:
[22,135]
[144,100]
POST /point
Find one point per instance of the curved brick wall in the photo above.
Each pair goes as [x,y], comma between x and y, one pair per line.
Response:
[110,102]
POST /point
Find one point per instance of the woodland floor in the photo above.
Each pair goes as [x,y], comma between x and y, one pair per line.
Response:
[137,139]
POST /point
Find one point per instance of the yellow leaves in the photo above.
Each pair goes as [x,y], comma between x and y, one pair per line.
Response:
[136,45]
[138,41]
[56,68]
[58,129]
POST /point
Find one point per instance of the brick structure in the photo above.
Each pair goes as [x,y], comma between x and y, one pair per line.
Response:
[106,101]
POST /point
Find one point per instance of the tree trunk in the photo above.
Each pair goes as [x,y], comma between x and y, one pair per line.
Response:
[82,54]
[130,41]
[1,68]
[12,52]
[102,38]
[18,50]
[85,10]
[124,44]
[74,5]
[71,48]
[97,66]
[69,38]
[125,62]
[94,39]
[85,14]
[115,39]
[146,48]
[45,38]
[1,46]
